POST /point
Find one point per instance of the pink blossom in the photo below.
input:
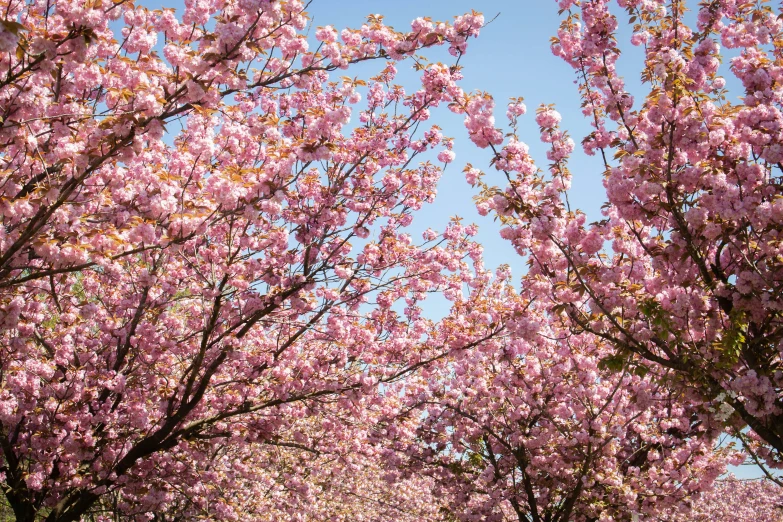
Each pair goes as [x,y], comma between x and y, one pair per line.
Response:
[446,156]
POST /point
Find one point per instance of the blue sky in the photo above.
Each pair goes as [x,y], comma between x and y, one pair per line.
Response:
[511,58]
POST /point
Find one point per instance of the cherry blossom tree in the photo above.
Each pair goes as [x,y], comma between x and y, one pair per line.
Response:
[197,251]
[210,307]
[530,427]
[734,499]
[320,467]
[683,273]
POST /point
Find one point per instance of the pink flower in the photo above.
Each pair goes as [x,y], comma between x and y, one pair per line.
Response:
[326,34]
[446,156]
[548,118]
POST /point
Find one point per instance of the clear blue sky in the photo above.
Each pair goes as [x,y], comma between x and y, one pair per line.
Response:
[511,58]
